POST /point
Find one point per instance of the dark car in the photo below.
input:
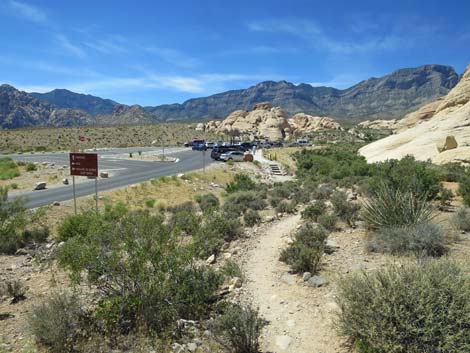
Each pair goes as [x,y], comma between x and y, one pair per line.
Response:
[200,147]
[276,144]
[194,142]
[246,146]
[217,151]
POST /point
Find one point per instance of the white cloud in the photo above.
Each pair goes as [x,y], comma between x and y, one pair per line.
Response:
[315,36]
[28,12]
[174,56]
[67,45]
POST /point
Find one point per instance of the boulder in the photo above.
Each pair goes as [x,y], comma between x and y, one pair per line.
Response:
[449,143]
[317,281]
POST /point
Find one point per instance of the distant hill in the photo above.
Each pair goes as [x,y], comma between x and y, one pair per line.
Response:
[387,97]
[390,96]
[63,98]
[19,109]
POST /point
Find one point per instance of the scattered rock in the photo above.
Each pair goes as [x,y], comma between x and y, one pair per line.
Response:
[236,282]
[288,278]
[56,203]
[330,246]
[449,143]
[283,341]
[191,346]
[317,281]
[210,260]
[306,276]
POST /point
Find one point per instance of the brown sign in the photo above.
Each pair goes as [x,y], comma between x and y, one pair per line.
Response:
[84,164]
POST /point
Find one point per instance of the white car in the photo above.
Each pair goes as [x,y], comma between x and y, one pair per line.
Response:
[236,156]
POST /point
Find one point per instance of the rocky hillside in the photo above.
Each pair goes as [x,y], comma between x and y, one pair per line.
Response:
[443,135]
[268,122]
[19,109]
[63,98]
[126,115]
[391,96]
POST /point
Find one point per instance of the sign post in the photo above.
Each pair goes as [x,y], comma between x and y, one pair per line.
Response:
[84,164]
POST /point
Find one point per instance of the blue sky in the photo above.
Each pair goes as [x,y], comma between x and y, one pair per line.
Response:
[155,52]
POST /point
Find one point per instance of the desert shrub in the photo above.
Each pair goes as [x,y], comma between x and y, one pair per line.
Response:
[8,169]
[286,206]
[334,162]
[231,269]
[406,175]
[150,203]
[285,190]
[187,206]
[313,211]
[251,218]
[184,222]
[328,221]
[445,198]
[305,252]
[241,182]
[424,239]
[390,208]
[216,229]
[31,167]
[407,309]
[207,201]
[78,225]
[14,186]
[238,202]
[12,223]
[238,329]
[56,322]
[38,234]
[323,192]
[347,211]
[452,172]
[464,189]
[461,219]
[14,289]
[145,276]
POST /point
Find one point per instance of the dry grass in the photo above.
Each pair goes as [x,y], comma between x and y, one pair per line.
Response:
[56,139]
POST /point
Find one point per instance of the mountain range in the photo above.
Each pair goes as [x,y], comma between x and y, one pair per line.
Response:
[390,96]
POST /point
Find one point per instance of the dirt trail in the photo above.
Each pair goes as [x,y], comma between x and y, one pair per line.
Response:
[299,316]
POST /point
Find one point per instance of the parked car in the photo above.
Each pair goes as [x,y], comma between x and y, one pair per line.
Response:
[210,145]
[41,185]
[303,142]
[217,151]
[264,145]
[236,156]
[276,144]
[194,142]
[200,147]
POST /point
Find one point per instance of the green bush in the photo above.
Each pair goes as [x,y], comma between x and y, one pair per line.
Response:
[407,309]
[238,202]
[323,192]
[12,223]
[207,201]
[150,203]
[390,208]
[452,172]
[424,239]
[251,218]
[461,219]
[304,254]
[78,225]
[406,175]
[8,169]
[347,211]
[184,222]
[216,229]
[31,167]
[328,221]
[57,321]
[146,277]
[286,206]
[238,329]
[241,182]
[285,190]
[464,189]
[313,211]
[445,198]
[231,269]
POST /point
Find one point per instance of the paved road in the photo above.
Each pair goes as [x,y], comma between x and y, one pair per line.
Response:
[124,172]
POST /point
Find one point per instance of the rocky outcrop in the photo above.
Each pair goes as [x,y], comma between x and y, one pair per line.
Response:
[379,124]
[444,137]
[268,122]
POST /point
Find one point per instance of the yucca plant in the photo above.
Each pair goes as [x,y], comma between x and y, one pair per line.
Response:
[389,207]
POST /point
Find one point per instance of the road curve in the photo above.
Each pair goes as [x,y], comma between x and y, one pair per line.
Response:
[188,160]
